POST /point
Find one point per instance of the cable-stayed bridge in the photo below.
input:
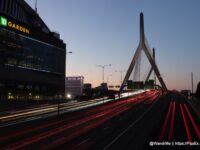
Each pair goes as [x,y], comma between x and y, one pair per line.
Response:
[139,120]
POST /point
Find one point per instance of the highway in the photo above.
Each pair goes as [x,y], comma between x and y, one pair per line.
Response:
[46,110]
[65,129]
[179,125]
[144,121]
[170,124]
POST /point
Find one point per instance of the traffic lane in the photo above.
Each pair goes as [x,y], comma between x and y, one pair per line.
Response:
[137,133]
[182,128]
[9,132]
[47,110]
[51,124]
[67,135]
[84,113]
[42,110]
[101,136]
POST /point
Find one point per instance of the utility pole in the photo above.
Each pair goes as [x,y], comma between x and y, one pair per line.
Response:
[103,67]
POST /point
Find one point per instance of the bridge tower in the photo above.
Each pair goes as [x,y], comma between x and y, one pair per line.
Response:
[145,47]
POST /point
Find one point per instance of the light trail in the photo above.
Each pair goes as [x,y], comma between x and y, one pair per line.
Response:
[58,130]
[89,127]
[172,122]
[65,107]
[35,112]
[83,130]
[192,121]
[165,123]
[94,118]
[186,125]
[87,112]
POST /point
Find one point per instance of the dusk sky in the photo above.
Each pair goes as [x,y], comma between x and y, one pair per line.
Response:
[100,32]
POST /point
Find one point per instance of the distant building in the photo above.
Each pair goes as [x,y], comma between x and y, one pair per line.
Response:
[74,86]
[32,57]
[87,87]
[103,87]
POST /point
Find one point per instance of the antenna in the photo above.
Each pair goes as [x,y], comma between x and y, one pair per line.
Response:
[36,6]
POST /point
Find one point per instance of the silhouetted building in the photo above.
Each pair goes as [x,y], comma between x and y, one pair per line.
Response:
[74,86]
[32,58]
[87,87]
[198,90]
[103,87]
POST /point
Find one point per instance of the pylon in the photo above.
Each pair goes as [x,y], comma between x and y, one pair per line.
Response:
[143,46]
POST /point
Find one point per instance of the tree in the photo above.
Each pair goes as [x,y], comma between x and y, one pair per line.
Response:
[198,90]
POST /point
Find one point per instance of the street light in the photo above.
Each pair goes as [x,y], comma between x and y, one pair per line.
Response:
[103,66]
[121,73]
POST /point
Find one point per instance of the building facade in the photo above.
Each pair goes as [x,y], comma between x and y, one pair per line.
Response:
[74,86]
[32,58]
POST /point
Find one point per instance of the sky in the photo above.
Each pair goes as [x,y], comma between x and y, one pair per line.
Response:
[101,32]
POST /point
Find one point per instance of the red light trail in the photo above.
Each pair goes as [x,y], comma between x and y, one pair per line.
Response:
[192,121]
[165,122]
[79,124]
[172,122]
[186,124]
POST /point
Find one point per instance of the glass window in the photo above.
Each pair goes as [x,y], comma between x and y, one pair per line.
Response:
[20,51]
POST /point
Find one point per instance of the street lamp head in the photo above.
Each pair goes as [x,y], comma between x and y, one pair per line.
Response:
[69,52]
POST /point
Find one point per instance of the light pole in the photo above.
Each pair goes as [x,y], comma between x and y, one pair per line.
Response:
[103,67]
[121,73]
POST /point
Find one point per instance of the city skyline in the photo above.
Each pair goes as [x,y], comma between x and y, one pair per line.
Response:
[107,32]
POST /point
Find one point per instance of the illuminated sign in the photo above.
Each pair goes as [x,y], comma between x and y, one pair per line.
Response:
[4,22]
[18,27]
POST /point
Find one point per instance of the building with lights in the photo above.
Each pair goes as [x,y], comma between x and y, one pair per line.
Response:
[32,58]
[74,86]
